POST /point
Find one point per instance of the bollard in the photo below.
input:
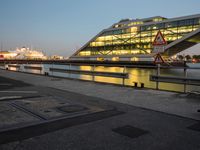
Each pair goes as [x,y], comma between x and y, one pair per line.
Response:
[135,84]
[142,85]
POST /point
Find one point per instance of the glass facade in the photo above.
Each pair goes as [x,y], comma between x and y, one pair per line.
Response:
[136,37]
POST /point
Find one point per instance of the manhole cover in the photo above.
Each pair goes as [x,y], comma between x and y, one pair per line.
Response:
[130,131]
[72,108]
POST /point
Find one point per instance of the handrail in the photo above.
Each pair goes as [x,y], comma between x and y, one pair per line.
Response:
[177,80]
[15,66]
[33,67]
[96,73]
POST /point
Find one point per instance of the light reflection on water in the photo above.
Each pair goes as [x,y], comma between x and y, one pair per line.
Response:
[135,75]
[13,68]
[35,71]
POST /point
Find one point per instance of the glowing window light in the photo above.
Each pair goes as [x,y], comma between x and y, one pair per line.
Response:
[134,29]
[134,59]
[100,59]
[85,53]
[135,52]
[135,23]
[158,19]
[115,59]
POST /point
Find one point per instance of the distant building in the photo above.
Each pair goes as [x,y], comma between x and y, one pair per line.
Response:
[131,40]
[7,55]
[57,57]
[22,53]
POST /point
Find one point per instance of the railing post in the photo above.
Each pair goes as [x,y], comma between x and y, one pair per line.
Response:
[93,68]
[70,71]
[158,73]
[41,69]
[123,79]
[52,67]
[185,76]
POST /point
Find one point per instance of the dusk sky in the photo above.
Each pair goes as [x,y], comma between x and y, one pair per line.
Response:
[63,26]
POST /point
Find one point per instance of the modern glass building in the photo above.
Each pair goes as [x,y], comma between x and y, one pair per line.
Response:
[132,40]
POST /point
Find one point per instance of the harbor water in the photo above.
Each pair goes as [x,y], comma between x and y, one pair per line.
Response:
[139,75]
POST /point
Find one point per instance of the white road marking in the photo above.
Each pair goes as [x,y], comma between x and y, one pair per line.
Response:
[31,92]
[9,97]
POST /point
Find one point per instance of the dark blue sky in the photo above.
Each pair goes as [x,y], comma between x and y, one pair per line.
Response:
[62,26]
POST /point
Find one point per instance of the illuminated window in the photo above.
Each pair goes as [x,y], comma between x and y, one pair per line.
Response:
[116,26]
[115,59]
[85,53]
[134,29]
[137,38]
[100,59]
[158,19]
[134,59]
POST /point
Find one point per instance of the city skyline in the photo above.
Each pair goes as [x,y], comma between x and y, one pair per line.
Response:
[60,27]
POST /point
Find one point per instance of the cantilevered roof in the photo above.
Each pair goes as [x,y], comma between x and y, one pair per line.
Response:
[183,43]
[152,22]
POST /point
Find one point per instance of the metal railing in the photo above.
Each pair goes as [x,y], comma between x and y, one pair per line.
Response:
[54,70]
[51,70]
[185,80]
[95,73]
[92,73]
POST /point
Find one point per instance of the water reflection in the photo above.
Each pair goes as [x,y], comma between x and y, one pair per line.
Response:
[108,80]
[34,70]
[135,75]
[139,75]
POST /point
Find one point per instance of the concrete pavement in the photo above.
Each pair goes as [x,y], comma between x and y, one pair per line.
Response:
[168,102]
[154,117]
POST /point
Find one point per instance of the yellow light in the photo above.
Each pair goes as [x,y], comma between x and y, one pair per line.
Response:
[85,53]
[134,59]
[134,29]
[100,59]
[115,59]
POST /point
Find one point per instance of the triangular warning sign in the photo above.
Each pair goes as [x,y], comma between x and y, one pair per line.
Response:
[158,59]
[159,39]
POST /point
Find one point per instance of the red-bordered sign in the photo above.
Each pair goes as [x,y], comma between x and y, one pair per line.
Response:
[158,59]
[1,57]
[159,39]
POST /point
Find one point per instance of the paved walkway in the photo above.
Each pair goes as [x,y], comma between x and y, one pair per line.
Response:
[168,102]
[98,120]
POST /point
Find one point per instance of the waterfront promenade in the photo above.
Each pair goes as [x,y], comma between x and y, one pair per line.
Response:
[161,117]
[168,102]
